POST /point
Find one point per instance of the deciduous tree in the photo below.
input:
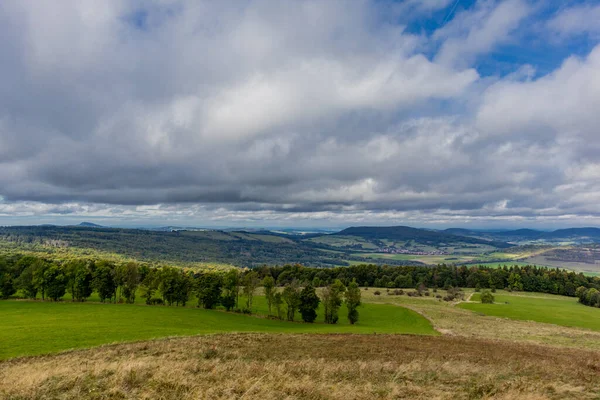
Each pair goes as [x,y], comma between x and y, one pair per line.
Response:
[353,297]
[309,302]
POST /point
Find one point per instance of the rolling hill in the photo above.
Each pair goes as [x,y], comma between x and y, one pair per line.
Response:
[575,235]
[406,233]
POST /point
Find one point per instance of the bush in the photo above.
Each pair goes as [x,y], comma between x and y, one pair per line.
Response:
[487,297]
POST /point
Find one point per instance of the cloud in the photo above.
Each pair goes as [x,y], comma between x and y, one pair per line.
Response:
[576,20]
[477,31]
[284,112]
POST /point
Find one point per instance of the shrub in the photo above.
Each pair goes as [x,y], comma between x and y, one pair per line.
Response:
[487,297]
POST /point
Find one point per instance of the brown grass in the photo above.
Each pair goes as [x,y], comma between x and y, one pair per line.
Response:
[261,366]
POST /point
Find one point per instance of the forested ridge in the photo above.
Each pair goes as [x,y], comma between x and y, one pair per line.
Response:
[242,249]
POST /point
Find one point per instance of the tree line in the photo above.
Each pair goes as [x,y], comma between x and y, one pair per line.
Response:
[121,283]
[527,278]
[175,286]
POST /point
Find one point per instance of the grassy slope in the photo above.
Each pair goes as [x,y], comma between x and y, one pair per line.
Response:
[28,328]
[344,367]
[559,310]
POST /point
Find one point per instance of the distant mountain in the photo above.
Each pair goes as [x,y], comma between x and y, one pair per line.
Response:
[406,233]
[574,233]
[90,225]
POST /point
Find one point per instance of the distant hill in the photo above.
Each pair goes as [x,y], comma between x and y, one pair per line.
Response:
[578,235]
[423,236]
[238,248]
[591,233]
[90,225]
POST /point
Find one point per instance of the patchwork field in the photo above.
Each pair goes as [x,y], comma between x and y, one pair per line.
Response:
[29,328]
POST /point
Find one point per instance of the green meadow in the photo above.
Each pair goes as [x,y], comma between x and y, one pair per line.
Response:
[34,327]
[550,309]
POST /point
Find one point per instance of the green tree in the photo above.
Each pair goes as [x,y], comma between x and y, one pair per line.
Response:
[269,287]
[169,284]
[149,285]
[209,290]
[26,282]
[309,302]
[332,300]
[251,282]
[515,282]
[291,297]
[278,303]
[353,297]
[104,280]
[39,279]
[56,282]
[80,279]
[130,281]
[590,296]
[231,286]
[7,286]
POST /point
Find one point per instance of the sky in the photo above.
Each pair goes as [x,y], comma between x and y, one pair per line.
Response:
[324,113]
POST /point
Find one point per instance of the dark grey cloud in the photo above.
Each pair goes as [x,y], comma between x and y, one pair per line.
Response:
[312,110]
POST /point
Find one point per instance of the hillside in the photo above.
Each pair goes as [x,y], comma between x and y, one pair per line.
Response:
[574,235]
[239,248]
[406,233]
[265,367]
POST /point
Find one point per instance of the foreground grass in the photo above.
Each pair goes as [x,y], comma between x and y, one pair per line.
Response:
[261,366]
[30,328]
[551,309]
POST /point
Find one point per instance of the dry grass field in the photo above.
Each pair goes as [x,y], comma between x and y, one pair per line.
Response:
[272,366]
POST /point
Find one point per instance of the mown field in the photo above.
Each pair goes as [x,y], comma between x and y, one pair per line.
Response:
[30,328]
[546,308]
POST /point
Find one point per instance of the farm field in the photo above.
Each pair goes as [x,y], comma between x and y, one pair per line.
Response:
[573,266]
[550,309]
[426,259]
[507,263]
[30,328]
